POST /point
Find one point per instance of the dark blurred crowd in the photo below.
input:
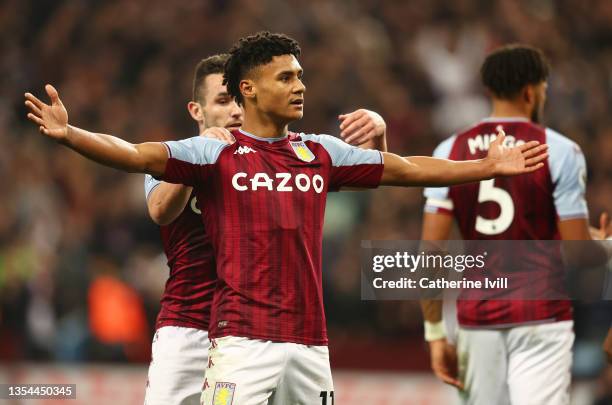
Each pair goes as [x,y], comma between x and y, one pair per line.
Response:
[79,257]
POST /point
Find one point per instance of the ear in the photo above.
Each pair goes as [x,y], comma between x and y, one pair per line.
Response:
[247,88]
[195,110]
[529,94]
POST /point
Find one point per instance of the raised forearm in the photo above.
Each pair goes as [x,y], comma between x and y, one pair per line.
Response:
[167,201]
[114,152]
[433,172]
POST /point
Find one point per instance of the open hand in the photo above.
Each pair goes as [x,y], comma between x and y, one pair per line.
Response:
[361,126]
[52,120]
[521,159]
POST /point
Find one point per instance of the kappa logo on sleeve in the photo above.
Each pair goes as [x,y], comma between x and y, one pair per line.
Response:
[302,151]
[224,393]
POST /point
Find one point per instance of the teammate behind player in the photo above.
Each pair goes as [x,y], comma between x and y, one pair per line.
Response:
[263,203]
[510,352]
[180,346]
[179,352]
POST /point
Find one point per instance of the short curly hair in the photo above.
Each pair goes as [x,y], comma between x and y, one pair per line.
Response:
[510,68]
[253,51]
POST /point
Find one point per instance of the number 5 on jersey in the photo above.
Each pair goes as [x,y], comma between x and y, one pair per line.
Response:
[488,192]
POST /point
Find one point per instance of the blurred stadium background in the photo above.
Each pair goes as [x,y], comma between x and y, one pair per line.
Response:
[81,265]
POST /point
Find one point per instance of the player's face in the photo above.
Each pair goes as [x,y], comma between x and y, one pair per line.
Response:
[219,108]
[540,100]
[279,89]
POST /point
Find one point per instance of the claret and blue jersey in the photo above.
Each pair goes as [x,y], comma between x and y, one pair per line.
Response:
[263,204]
[525,207]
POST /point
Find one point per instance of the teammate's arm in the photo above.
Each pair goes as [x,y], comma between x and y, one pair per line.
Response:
[149,157]
[443,356]
[434,172]
[166,201]
[365,129]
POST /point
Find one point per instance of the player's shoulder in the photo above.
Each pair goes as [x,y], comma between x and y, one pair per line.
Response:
[328,142]
[558,140]
[561,148]
[197,149]
[340,152]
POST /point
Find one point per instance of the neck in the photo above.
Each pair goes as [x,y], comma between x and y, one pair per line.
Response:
[261,124]
[507,108]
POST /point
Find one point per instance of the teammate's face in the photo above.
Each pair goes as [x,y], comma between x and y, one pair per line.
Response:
[219,109]
[540,100]
[278,88]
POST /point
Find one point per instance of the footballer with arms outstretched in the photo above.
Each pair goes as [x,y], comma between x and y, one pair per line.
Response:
[510,352]
[180,345]
[263,203]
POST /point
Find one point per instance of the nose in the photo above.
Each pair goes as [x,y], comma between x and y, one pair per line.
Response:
[301,88]
[236,111]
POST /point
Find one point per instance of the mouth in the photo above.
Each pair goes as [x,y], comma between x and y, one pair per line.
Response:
[233,126]
[298,102]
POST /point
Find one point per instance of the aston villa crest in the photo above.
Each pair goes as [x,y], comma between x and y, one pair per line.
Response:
[302,151]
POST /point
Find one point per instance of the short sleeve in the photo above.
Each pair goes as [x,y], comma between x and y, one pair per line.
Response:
[437,198]
[150,183]
[568,172]
[190,159]
[351,166]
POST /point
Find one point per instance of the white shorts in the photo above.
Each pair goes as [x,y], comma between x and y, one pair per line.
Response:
[245,371]
[523,365]
[179,357]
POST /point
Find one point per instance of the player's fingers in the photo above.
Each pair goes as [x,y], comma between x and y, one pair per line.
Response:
[501,135]
[31,97]
[354,126]
[35,119]
[535,160]
[363,135]
[448,379]
[53,94]
[534,151]
[528,145]
[530,169]
[348,119]
[33,108]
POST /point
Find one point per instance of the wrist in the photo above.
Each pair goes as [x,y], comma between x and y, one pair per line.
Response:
[68,134]
[434,331]
[489,168]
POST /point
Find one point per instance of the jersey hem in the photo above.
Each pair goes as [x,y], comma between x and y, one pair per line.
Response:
[492,325]
[284,339]
[184,324]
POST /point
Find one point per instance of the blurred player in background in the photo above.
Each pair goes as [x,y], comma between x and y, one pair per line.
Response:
[180,346]
[510,352]
[263,202]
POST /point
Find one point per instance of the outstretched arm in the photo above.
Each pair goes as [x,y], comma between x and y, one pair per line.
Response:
[433,172]
[149,157]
